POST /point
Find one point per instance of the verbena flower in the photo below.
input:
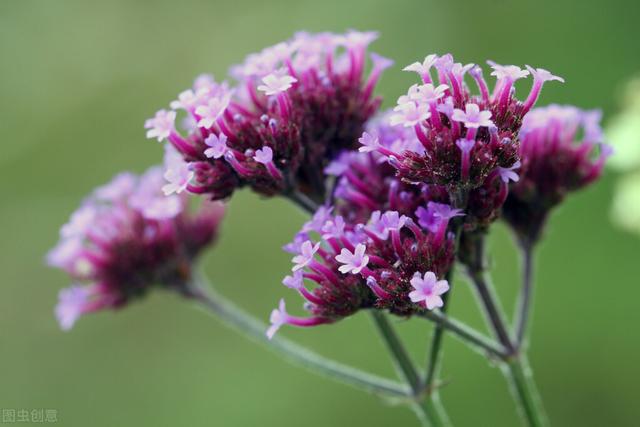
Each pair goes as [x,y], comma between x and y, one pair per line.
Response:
[295,107]
[367,182]
[387,262]
[464,137]
[562,150]
[125,238]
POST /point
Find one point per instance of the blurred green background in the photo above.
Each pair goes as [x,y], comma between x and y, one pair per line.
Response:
[77,81]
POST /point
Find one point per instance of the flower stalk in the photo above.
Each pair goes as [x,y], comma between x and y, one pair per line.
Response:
[429,411]
[233,316]
[515,365]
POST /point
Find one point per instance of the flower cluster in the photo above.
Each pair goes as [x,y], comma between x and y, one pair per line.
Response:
[388,262]
[562,150]
[296,106]
[125,238]
[367,182]
[464,138]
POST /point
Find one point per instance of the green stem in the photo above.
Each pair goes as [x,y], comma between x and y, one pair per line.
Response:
[435,349]
[525,299]
[466,334]
[519,373]
[429,411]
[516,366]
[255,330]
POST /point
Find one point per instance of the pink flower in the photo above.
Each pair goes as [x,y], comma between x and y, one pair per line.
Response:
[369,143]
[472,117]
[409,114]
[212,110]
[427,290]
[274,84]
[217,146]
[264,156]
[71,305]
[307,251]
[353,262]
[178,178]
[161,125]
[278,318]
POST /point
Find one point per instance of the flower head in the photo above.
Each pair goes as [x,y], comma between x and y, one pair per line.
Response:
[561,151]
[137,239]
[307,99]
[355,267]
[464,137]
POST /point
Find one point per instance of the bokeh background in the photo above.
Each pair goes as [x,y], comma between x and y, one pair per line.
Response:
[77,80]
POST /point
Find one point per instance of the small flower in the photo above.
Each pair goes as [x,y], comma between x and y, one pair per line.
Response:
[178,179]
[353,262]
[278,318]
[427,290]
[429,93]
[274,84]
[542,75]
[212,111]
[294,281]
[71,304]
[509,174]
[473,117]
[422,68]
[186,100]
[264,155]
[466,145]
[369,143]
[393,221]
[409,114]
[161,125]
[217,146]
[307,251]
[510,72]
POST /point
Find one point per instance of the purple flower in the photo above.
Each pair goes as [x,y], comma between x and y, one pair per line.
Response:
[264,155]
[472,117]
[280,317]
[444,111]
[217,144]
[559,152]
[428,93]
[307,99]
[71,305]
[508,174]
[507,72]
[178,179]
[393,221]
[543,75]
[356,268]
[410,114]
[294,281]
[423,69]
[126,238]
[274,84]
[353,262]
[212,110]
[427,290]
[161,125]
[307,252]
[369,143]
